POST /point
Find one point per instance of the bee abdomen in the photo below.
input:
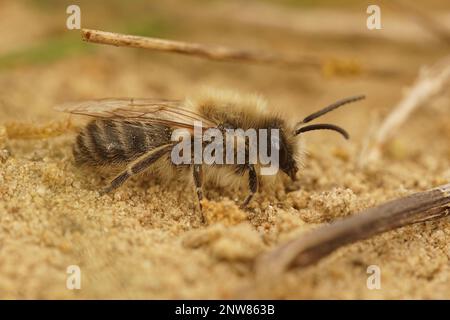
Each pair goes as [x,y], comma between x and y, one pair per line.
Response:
[106,142]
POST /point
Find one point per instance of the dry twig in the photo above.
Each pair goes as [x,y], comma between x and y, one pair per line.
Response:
[195,49]
[430,83]
[221,53]
[315,245]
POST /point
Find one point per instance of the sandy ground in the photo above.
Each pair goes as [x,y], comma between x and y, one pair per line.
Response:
[147,241]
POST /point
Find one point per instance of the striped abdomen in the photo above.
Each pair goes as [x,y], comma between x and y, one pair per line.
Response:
[107,142]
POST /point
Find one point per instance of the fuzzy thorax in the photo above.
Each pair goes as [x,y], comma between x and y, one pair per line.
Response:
[249,111]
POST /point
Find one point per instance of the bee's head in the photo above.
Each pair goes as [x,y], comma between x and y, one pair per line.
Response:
[284,143]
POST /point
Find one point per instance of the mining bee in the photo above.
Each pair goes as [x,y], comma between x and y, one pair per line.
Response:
[136,135]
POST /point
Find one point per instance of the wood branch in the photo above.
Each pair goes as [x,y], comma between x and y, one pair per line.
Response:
[429,84]
[205,51]
[329,66]
[317,244]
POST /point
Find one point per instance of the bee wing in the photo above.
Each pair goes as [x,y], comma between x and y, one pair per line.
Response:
[166,112]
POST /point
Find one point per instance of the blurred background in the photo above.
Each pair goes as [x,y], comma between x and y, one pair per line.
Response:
[42,63]
[129,245]
[45,63]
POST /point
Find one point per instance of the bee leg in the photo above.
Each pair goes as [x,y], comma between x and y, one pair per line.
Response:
[252,184]
[116,182]
[137,166]
[198,181]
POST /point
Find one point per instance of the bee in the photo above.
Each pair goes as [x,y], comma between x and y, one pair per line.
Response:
[136,135]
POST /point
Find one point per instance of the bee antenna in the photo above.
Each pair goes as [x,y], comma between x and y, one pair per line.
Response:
[323,126]
[331,107]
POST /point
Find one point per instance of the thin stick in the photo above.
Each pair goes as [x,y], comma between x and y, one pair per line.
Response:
[343,67]
[315,245]
[430,83]
[205,51]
